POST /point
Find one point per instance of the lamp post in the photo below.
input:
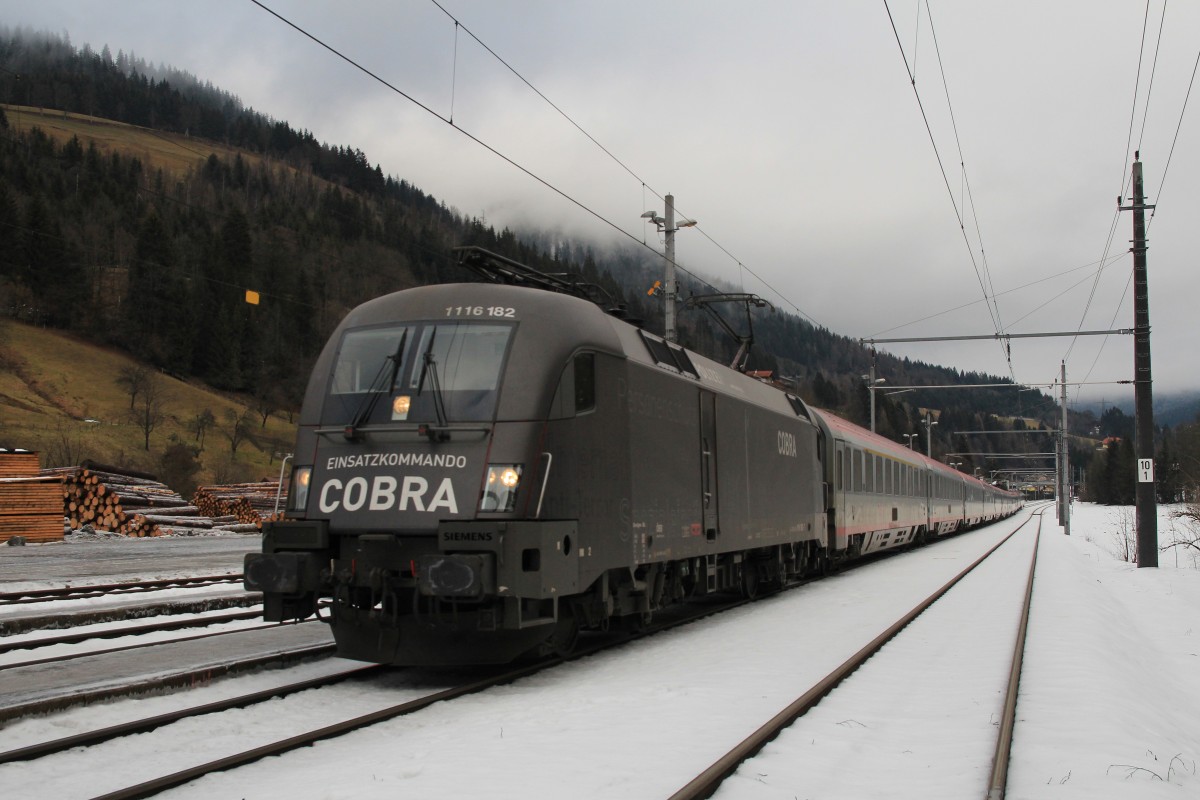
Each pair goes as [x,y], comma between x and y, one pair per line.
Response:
[929,423]
[667,226]
[910,437]
[872,382]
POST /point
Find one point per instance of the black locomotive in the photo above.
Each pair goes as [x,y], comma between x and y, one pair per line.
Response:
[483,470]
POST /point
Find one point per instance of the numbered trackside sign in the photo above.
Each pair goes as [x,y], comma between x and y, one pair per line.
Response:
[1145,470]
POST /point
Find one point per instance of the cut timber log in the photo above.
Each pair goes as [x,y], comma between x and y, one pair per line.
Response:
[177,522]
[241,527]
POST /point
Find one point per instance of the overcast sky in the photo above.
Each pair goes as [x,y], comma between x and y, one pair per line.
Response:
[790,130]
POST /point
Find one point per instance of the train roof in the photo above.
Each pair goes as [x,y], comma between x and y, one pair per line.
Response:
[848,431]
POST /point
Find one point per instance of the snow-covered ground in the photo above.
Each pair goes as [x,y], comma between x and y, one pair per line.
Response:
[1109,704]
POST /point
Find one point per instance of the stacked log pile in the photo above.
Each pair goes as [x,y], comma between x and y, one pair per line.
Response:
[30,505]
[18,463]
[133,504]
[250,503]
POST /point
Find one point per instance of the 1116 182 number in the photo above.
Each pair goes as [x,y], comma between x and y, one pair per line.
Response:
[480,311]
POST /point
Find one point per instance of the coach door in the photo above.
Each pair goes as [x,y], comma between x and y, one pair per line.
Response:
[841,485]
[708,463]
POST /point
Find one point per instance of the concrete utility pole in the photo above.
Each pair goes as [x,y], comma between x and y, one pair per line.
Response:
[670,290]
[1143,394]
[669,278]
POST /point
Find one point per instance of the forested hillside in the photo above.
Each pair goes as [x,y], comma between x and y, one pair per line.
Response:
[139,206]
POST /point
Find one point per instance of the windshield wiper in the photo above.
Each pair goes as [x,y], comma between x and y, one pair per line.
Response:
[429,368]
[366,406]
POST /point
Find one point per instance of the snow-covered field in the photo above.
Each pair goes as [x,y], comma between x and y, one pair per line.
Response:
[1109,704]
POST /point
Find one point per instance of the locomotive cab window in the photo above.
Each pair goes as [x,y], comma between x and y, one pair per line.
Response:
[402,372]
[366,360]
[585,382]
[576,392]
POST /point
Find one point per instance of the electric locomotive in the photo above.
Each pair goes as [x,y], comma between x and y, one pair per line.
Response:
[483,470]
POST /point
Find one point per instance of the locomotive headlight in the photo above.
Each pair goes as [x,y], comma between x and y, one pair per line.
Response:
[510,477]
[500,487]
[298,494]
[400,406]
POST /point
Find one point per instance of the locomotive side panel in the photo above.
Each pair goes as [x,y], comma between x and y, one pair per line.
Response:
[587,479]
[662,409]
[769,477]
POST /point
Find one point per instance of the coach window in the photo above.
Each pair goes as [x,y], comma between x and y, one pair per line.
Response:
[839,465]
[858,470]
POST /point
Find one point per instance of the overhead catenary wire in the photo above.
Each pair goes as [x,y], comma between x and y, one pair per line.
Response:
[1175,139]
[991,288]
[945,177]
[1126,175]
[520,167]
[1153,70]
[645,186]
[937,314]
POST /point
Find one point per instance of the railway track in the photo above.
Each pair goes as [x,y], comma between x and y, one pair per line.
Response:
[709,782]
[18,620]
[143,784]
[100,735]
[12,643]
[86,591]
[166,626]
[58,683]
[409,705]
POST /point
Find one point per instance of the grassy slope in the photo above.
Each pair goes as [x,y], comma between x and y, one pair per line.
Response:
[173,153]
[51,381]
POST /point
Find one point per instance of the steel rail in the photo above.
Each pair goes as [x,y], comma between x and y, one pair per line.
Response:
[116,633]
[999,777]
[141,629]
[187,678]
[89,738]
[153,786]
[100,589]
[707,782]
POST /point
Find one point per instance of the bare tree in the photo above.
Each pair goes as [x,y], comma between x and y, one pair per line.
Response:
[238,427]
[266,400]
[67,448]
[1185,531]
[150,410]
[200,423]
[133,379]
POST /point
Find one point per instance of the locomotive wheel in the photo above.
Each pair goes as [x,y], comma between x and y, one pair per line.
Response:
[566,634]
[749,581]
